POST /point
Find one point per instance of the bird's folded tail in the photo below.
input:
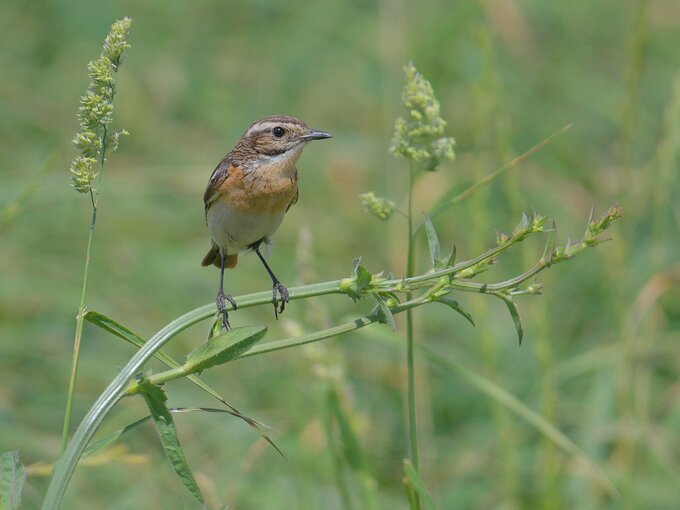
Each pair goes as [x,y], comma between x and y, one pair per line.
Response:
[213,257]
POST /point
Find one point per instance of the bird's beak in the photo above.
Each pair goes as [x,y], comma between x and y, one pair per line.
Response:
[313,134]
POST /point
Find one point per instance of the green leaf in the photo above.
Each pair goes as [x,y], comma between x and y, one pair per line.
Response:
[432,240]
[522,226]
[514,313]
[455,305]
[414,478]
[356,286]
[117,329]
[167,432]
[223,348]
[363,276]
[215,330]
[439,261]
[108,324]
[386,316]
[12,478]
[113,437]
[549,250]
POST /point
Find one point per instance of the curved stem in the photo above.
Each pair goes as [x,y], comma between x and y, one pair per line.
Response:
[116,390]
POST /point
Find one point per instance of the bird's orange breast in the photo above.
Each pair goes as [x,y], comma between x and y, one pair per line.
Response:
[265,190]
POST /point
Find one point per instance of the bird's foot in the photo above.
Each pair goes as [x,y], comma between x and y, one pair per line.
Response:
[284,298]
[221,300]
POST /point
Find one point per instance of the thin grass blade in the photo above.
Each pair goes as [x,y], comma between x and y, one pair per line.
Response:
[413,477]
[12,478]
[511,402]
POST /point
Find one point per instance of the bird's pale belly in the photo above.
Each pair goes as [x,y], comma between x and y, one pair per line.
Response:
[233,230]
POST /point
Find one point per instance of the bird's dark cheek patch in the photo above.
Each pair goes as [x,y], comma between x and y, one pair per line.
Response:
[271,149]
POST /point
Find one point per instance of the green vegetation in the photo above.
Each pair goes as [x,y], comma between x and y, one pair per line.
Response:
[582,411]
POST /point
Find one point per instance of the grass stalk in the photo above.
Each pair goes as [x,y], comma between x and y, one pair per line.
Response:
[80,319]
[94,142]
[410,364]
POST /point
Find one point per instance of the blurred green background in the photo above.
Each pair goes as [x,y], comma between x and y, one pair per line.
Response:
[600,358]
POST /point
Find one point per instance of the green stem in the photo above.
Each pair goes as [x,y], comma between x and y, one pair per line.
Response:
[410,365]
[287,343]
[80,321]
[116,389]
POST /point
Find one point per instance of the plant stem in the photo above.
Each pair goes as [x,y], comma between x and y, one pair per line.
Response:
[116,389]
[410,365]
[80,320]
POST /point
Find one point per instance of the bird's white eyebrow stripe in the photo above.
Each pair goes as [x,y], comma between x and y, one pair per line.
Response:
[261,127]
[264,126]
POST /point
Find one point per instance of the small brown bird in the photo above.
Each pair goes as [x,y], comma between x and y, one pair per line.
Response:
[249,193]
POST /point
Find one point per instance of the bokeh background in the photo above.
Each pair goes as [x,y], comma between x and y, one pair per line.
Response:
[600,359]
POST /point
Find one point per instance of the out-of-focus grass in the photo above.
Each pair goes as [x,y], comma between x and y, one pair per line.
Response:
[507,74]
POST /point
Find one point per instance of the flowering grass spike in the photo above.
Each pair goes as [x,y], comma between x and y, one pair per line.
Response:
[378,206]
[94,141]
[419,136]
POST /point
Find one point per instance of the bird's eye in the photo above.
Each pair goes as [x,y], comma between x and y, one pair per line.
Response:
[278,131]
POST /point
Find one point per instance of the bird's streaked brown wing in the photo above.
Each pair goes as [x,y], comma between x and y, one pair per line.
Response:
[297,193]
[218,176]
[295,199]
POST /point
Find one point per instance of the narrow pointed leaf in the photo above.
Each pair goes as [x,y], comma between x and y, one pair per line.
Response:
[386,315]
[455,305]
[522,226]
[549,249]
[360,281]
[514,313]
[12,478]
[113,437]
[215,330]
[413,501]
[167,432]
[223,348]
[589,225]
[414,477]
[432,241]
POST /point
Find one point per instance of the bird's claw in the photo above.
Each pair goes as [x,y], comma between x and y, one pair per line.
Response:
[284,298]
[221,300]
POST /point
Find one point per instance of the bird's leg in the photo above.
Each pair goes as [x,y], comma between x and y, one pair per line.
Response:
[221,296]
[277,287]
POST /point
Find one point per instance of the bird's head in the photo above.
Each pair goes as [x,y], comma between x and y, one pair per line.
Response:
[280,135]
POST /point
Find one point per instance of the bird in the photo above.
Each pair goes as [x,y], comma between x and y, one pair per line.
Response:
[248,195]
